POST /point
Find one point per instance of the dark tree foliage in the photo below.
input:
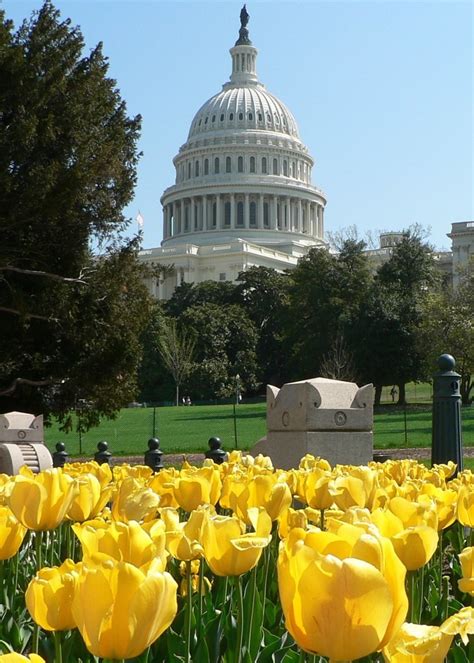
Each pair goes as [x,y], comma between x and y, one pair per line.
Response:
[226,342]
[194,294]
[325,296]
[70,321]
[263,293]
[390,323]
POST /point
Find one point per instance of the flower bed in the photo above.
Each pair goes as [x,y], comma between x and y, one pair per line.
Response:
[238,563]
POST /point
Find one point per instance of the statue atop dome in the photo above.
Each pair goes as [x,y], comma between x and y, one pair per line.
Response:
[244,38]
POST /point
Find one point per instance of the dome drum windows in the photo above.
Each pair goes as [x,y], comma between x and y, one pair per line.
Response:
[252,164]
[275,167]
[228,165]
[227,214]
[196,169]
[285,168]
[240,165]
[216,166]
[240,214]
[206,166]
[264,165]
[253,214]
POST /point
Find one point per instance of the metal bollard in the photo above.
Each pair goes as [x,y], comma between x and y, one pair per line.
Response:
[60,456]
[103,455]
[215,452]
[446,437]
[153,457]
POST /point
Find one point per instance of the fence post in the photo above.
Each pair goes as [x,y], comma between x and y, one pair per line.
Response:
[102,454]
[153,457]
[446,437]
[216,453]
[60,456]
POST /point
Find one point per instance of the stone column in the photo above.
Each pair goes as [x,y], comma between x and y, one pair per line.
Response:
[232,211]
[246,211]
[321,234]
[308,218]
[192,219]
[204,213]
[299,227]
[219,222]
[260,211]
[273,217]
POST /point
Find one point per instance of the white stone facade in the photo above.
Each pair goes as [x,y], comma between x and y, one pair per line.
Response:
[242,194]
[462,238]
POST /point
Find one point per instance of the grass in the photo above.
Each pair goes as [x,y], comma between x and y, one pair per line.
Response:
[188,429]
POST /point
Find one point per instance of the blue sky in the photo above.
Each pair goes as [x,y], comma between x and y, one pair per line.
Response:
[382,93]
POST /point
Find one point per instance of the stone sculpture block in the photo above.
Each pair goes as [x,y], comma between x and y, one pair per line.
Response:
[21,443]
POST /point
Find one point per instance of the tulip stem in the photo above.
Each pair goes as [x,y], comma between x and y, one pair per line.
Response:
[39,549]
[58,650]
[412,587]
[421,591]
[189,610]
[240,618]
[253,587]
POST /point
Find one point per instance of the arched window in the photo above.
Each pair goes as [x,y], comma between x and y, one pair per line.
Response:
[250,116]
[222,117]
[227,214]
[205,121]
[240,164]
[292,169]
[275,166]
[253,214]
[196,169]
[260,117]
[186,219]
[213,119]
[241,116]
[214,215]
[206,166]
[266,215]
[216,165]
[196,217]
[285,168]
[264,165]
[252,164]
[228,165]
[231,117]
[189,170]
[240,214]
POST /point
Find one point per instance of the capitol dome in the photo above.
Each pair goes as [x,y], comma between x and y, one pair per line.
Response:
[243,194]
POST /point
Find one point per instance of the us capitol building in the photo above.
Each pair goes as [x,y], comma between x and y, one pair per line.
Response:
[243,194]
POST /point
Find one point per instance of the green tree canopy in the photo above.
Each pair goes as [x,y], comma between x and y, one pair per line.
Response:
[68,154]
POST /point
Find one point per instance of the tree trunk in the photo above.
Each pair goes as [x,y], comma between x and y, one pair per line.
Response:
[177,394]
[466,387]
[378,395]
[401,394]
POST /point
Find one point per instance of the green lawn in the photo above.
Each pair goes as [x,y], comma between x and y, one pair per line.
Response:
[187,429]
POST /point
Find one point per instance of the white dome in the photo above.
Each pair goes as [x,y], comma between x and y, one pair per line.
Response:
[243,107]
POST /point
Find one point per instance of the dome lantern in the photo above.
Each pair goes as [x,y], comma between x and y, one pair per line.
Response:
[244,55]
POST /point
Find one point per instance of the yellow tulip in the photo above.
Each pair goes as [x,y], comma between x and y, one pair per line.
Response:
[418,643]
[443,500]
[162,483]
[341,608]
[267,491]
[461,623]
[415,546]
[291,518]
[102,472]
[126,542]
[41,501]
[466,583]
[18,658]
[49,596]
[197,486]
[125,471]
[413,513]
[348,491]
[134,501]
[121,610]
[387,522]
[228,550]
[183,539]
[12,534]
[315,490]
[332,607]
[90,498]
[466,505]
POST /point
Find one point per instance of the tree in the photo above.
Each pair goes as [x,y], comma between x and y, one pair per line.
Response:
[448,326]
[68,159]
[263,293]
[176,347]
[194,294]
[390,321]
[226,341]
[325,296]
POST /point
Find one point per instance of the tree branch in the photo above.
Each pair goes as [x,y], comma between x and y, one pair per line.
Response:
[17,381]
[49,275]
[36,316]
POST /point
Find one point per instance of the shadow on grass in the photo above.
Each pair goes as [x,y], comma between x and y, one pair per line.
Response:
[220,416]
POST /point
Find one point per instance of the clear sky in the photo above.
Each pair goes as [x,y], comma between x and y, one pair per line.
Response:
[382,93]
